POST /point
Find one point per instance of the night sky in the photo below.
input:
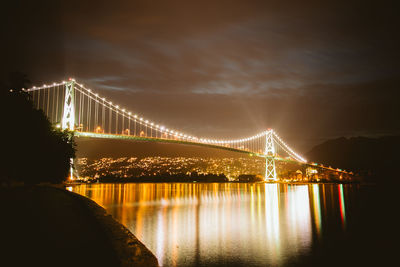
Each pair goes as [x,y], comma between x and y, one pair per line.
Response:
[311,70]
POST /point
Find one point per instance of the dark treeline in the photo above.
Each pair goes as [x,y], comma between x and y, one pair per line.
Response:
[33,150]
[374,159]
[166,178]
[249,178]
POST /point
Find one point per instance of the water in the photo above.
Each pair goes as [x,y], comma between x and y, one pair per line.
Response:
[237,224]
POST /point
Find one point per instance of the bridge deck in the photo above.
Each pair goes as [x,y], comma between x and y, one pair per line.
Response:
[163,140]
[177,141]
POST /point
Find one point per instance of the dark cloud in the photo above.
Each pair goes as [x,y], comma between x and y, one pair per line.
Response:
[311,69]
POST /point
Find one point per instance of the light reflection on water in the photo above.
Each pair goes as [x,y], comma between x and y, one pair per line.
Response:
[196,224]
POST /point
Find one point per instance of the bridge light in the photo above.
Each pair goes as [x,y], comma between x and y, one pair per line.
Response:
[141,119]
[117,106]
[129,113]
[96,95]
[123,110]
[103,99]
[135,116]
[146,121]
[89,90]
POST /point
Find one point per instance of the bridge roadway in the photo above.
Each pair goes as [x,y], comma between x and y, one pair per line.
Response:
[176,141]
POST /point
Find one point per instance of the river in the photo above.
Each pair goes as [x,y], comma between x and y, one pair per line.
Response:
[239,224]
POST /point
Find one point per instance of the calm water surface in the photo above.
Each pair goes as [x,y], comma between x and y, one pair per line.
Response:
[229,224]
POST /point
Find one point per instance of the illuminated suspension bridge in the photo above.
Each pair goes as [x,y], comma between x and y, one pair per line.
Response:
[70,105]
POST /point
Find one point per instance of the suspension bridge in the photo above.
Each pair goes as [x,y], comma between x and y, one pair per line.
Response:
[70,105]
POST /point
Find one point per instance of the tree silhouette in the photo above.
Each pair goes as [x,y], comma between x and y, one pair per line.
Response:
[34,151]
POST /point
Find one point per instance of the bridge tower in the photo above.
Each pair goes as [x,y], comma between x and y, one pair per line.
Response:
[270,170]
[68,118]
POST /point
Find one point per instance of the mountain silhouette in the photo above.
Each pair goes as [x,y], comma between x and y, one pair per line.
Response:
[375,159]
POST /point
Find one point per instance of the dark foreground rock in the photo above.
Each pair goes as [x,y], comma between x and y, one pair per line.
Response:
[47,226]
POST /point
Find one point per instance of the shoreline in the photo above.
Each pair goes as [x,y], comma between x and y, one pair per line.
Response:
[72,183]
[129,249]
[49,225]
